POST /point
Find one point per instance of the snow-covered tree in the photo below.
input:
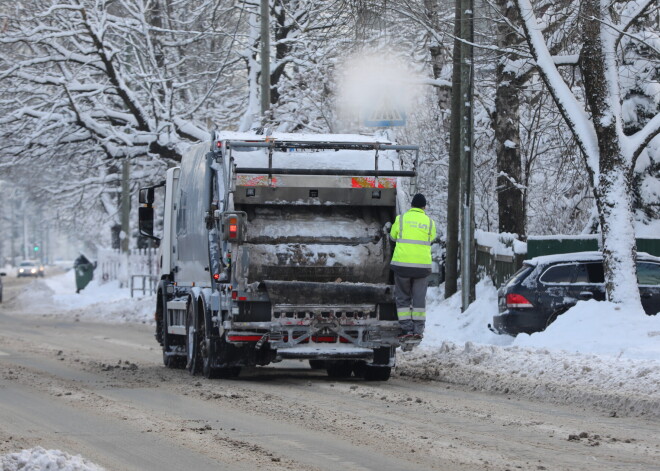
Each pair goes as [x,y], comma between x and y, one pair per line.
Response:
[597,124]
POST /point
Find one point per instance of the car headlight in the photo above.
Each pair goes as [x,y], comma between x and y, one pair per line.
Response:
[20,270]
[34,270]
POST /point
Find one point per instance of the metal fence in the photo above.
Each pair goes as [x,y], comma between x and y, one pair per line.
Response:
[137,270]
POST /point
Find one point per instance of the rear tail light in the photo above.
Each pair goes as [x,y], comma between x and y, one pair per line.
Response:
[517,300]
[233,228]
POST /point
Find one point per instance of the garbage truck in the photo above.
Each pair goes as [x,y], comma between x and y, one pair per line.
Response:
[277,247]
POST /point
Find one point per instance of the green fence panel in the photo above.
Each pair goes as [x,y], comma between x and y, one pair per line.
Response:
[547,246]
[650,246]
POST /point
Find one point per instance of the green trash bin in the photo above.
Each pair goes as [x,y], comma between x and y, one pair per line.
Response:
[84,270]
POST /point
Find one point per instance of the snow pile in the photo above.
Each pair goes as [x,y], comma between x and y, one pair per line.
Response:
[600,328]
[38,459]
[617,385]
[109,302]
[595,354]
[500,243]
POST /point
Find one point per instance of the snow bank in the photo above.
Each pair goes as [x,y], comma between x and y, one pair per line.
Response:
[594,355]
[38,459]
[600,328]
[108,302]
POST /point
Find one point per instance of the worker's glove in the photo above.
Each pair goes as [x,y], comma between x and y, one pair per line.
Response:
[387,227]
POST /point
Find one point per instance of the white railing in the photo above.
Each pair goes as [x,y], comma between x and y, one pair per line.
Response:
[142,263]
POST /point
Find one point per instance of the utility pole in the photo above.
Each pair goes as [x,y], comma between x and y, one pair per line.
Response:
[466,148]
[454,172]
[265,59]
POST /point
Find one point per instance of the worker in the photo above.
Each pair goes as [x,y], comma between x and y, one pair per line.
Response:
[413,233]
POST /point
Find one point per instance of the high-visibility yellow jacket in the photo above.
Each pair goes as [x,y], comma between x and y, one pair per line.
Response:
[413,232]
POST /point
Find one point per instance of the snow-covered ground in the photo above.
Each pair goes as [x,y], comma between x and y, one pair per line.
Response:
[594,355]
[595,345]
[104,302]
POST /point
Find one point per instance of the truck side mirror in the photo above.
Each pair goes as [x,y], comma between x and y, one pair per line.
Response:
[146,222]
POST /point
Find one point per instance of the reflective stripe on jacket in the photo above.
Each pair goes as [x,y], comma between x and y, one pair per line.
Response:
[413,233]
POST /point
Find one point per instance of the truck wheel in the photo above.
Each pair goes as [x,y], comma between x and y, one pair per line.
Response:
[339,369]
[192,345]
[228,372]
[377,373]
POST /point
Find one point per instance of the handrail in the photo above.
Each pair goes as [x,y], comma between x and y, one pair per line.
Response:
[277,145]
[326,171]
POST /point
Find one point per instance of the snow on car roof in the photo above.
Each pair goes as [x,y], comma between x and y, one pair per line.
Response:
[580,257]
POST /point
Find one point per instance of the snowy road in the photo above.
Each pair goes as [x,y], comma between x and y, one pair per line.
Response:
[99,390]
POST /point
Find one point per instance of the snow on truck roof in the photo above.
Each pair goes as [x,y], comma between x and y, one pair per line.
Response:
[245,136]
[581,257]
[299,158]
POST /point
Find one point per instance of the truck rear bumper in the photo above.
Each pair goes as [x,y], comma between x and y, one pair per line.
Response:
[325,352]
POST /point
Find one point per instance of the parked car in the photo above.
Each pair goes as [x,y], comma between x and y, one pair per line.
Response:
[28,268]
[1,275]
[547,286]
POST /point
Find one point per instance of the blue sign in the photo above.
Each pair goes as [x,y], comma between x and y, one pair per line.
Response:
[385,117]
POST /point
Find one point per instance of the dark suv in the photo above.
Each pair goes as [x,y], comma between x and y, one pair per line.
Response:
[547,286]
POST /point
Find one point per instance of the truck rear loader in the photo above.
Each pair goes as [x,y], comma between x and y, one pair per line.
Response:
[277,248]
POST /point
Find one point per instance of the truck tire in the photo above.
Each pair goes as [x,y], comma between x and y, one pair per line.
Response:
[377,373]
[192,342]
[339,369]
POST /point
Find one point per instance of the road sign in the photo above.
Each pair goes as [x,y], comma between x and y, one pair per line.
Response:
[385,115]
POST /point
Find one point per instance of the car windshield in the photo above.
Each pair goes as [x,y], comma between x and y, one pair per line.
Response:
[27,264]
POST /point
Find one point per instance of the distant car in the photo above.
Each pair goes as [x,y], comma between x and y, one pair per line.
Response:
[30,269]
[547,286]
[1,275]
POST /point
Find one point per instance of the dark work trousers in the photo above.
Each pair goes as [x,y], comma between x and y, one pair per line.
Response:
[410,295]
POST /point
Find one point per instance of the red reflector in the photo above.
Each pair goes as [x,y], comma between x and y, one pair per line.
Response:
[219,144]
[242,298]
[216,276]
[234,294]
[517,300]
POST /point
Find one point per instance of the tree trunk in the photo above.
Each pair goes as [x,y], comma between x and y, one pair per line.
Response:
[613,188]
[506,125]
